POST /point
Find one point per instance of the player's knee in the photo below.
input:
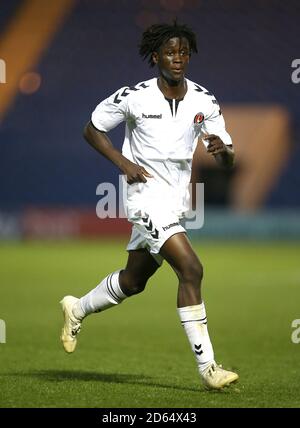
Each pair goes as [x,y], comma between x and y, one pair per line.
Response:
[192,273]
[137,287]
[132,285]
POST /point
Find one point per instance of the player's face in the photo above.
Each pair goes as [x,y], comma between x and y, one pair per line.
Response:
[172,59]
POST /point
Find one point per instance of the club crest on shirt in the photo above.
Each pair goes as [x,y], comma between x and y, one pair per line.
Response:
[199,118]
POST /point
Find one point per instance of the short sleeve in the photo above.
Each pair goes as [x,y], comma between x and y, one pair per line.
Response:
[111,111]
[214,124]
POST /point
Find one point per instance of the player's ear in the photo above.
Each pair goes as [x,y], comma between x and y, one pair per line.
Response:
[155,57]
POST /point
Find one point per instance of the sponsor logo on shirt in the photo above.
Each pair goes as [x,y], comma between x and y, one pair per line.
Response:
[170,225]
[151,116]
[198,118]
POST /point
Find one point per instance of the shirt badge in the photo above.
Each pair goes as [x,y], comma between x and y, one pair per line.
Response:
[199,118]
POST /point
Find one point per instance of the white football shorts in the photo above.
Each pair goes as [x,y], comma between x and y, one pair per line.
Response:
[152,229]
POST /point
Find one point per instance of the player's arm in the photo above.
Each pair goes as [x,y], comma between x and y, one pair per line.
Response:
[215,137]
[100,142]
[224,154]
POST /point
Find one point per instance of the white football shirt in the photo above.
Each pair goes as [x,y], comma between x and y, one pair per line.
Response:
[161,135]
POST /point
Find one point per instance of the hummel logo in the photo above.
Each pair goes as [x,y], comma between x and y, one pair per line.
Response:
[149,227]
[198,349]
[171,225]
[152,116]
[125,92]
[75,331]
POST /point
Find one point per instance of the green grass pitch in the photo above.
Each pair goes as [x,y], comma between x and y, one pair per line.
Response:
[137,355]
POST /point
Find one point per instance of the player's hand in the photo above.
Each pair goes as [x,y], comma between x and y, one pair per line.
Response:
[136,173]
[215,144]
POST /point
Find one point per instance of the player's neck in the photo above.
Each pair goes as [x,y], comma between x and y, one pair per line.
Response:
[172,89]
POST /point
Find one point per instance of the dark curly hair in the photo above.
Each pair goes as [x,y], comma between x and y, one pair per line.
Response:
[156,35]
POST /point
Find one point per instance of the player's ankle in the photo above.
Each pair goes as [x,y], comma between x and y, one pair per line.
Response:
[203,367]
[77,311]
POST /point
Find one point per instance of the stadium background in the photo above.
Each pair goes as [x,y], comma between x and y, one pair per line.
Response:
[62,58]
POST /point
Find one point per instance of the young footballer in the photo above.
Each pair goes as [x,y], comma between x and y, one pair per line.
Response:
[165,116]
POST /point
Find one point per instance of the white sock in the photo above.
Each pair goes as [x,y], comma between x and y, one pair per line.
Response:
[107,294]
[193,319]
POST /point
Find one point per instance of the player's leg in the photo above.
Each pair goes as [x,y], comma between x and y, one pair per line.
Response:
[140,266]
[119,285]
[111,291]
[178,252]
